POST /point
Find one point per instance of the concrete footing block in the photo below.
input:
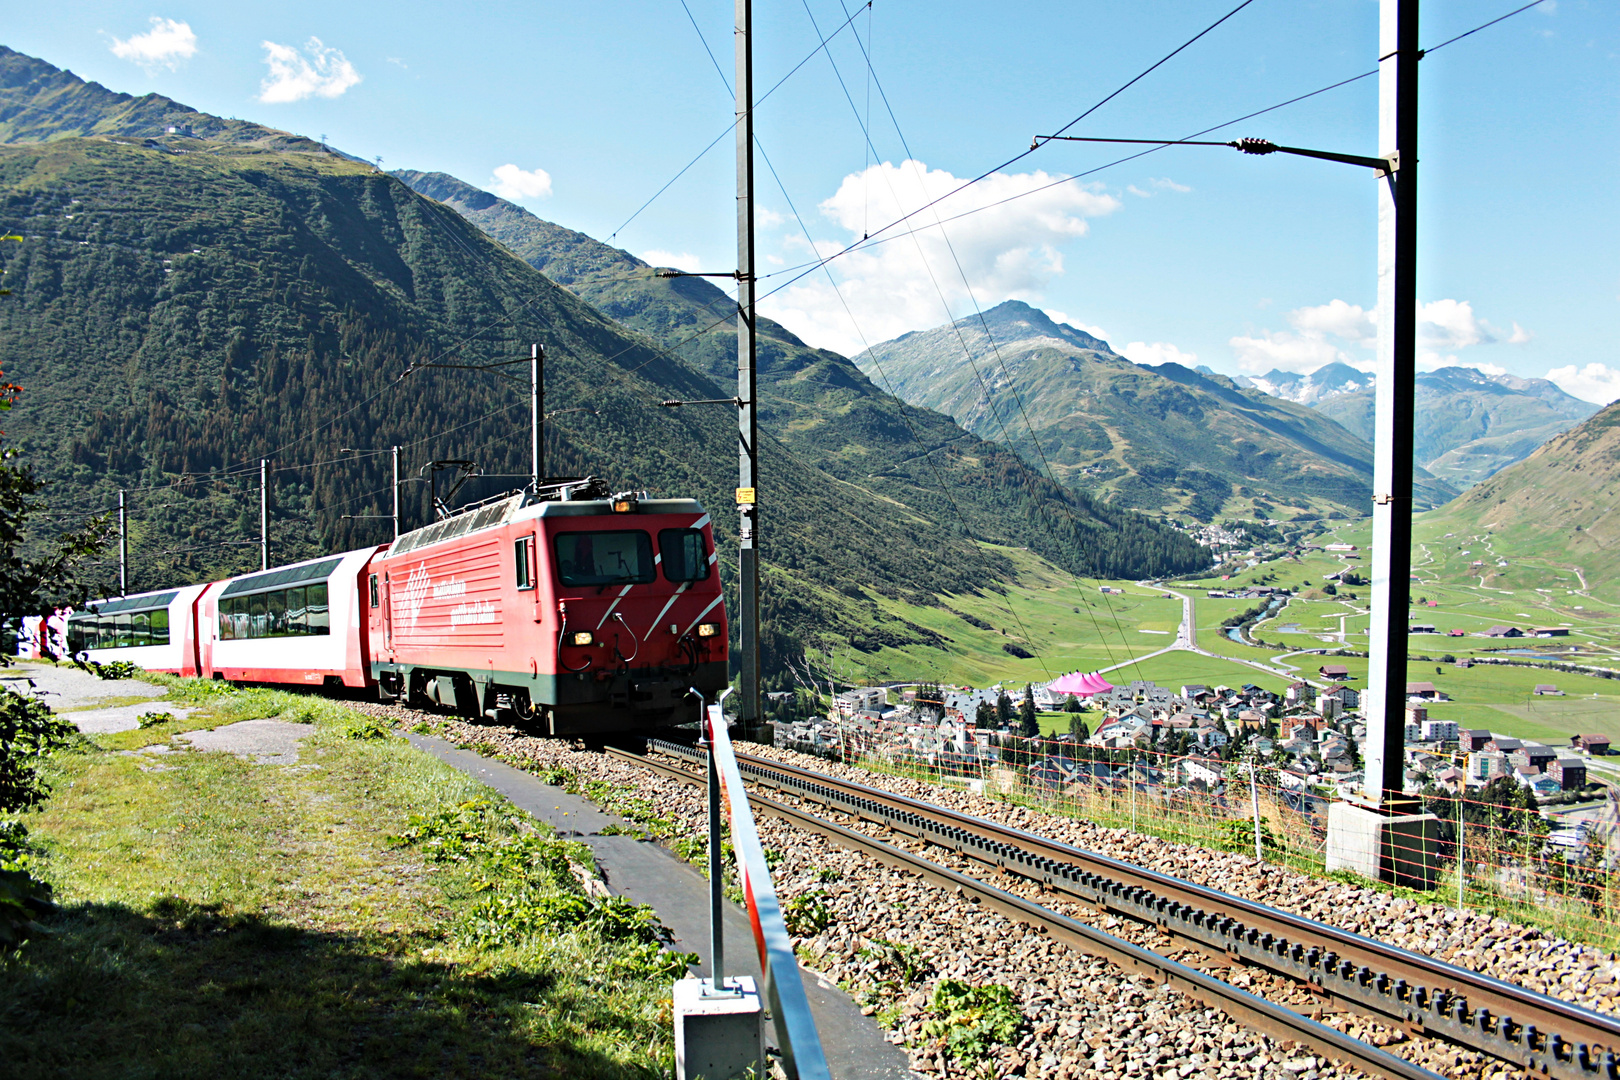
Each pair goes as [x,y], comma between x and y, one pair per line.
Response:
[718,1036]
[1397,848]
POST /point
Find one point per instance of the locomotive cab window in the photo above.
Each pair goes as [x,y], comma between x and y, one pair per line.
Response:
[686,558]
[374,597]
[605,558]
[523,556]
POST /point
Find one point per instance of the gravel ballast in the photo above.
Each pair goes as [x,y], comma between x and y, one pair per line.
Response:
[1084,1017]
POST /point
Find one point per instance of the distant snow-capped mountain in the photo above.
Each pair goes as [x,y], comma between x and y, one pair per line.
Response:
[1320,385]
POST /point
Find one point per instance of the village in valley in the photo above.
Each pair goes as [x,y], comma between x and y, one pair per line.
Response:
[1160,740]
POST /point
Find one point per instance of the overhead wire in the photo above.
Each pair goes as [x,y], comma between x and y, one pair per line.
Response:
[990,399]
[927,455]
[876,238]
[733,125]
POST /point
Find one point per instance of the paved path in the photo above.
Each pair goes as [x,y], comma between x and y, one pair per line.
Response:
[64,687]
[856,1047]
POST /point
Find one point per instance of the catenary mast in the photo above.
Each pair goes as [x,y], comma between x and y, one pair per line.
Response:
[747,416]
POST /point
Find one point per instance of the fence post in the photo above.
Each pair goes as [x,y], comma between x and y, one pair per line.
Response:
[1462,849]
[1254,798]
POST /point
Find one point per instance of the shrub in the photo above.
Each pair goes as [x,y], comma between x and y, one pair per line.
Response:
[1237,834]
[23,897]
[807,914]
[28,732]
[153,719]
[117,669]
[973,1020]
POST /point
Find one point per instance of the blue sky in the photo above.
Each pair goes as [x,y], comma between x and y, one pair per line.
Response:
[582,112]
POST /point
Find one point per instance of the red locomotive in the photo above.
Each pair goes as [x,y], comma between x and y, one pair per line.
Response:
[576,611]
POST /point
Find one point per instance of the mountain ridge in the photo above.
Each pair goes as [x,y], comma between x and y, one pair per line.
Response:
[1167,438]
[818,401]
[1470,424]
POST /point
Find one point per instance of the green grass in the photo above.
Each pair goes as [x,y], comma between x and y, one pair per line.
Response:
[222,919]
[1180,668]
[1065,621]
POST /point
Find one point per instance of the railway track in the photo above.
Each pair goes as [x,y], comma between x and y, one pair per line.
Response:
[1418,993]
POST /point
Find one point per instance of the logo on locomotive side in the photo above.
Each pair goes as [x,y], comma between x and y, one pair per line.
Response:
[416,590]
[419,586]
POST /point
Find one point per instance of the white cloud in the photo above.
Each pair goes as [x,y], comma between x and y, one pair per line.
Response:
[683,261]
[1063,317]
[1162,183]
[1348,321]
[765,218]
[1597,383]
[294,76]
[1160,352]
[397,62]
[165,45]
[511,182]
[1344,332]
[910,280]
[1273,350]
[1451,324]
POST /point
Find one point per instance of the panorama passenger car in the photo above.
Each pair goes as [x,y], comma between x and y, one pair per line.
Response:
[153,630]
[296,624]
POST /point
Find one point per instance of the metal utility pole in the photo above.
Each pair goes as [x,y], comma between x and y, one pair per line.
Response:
[1396,374]
[747,416]
[395,451]
[123,548]
[537,422]
[264,514]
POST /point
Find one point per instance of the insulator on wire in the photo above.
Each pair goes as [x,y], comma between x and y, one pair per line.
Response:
[1255,146]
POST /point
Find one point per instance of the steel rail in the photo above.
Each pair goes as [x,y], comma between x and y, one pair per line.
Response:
[1249,1009]
[1424,995]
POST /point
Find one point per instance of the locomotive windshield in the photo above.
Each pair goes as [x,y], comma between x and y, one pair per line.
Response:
[605,558]
[685,556]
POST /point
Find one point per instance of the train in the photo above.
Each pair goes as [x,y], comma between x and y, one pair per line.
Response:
[569,609]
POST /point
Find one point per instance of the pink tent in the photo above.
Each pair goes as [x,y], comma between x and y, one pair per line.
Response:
[1076,683]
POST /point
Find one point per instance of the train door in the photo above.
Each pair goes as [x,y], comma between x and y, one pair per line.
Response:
[372,592]
[387,606]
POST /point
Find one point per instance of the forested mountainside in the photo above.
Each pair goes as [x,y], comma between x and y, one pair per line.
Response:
[183,307]
[1165,437]
[1470,424]
[822,407]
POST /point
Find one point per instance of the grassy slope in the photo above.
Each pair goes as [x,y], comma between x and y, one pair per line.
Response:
[219,915]
[1151,437]
[1472,425]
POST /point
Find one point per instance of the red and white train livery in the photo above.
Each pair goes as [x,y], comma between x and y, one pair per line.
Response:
[578,613]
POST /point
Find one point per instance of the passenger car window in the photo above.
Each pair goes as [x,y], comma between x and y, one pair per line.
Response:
[686,558]
[605,558]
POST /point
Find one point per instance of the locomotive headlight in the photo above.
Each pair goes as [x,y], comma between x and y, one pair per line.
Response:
[708,629]
[623,506]
[582,637]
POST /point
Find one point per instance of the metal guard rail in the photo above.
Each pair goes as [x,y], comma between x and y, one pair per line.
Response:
[802,1056]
